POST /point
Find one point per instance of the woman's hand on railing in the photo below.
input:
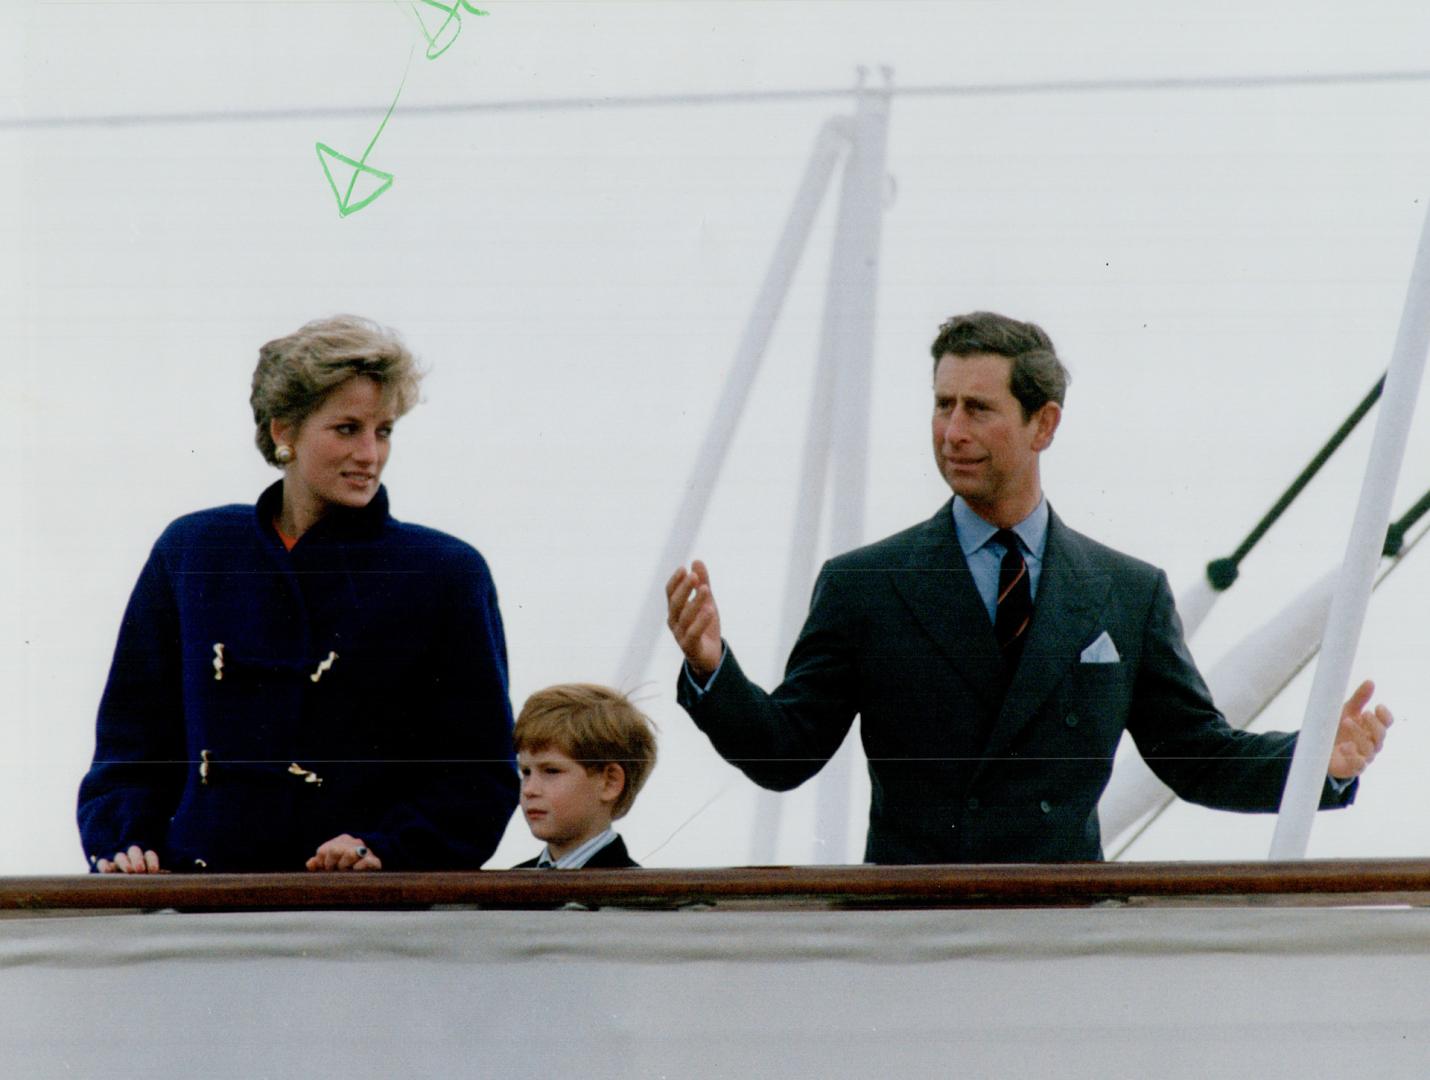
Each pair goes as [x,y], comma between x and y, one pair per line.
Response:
[133,861]
[344,853]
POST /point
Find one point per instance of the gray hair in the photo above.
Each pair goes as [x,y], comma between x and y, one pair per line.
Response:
[295,373]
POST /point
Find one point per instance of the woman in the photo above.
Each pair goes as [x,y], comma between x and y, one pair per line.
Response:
[308,682]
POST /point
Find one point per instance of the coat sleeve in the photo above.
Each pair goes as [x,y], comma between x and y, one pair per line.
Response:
[461,792]
[137,776]
[1186,741]
[781,739]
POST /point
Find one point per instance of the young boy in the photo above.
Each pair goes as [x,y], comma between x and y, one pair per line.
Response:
[584,752]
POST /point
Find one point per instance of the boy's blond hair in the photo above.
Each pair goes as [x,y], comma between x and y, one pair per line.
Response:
[593,725]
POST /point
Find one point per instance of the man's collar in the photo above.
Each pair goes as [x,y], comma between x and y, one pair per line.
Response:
[973,532]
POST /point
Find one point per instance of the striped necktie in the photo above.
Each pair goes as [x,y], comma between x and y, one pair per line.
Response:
[1015,602]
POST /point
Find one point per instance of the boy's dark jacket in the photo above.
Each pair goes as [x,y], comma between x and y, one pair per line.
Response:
[227,648]
[611,857]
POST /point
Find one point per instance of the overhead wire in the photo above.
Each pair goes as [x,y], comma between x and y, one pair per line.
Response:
[737,97]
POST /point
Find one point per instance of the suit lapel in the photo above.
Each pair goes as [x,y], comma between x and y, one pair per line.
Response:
[934,582]
[1072,594]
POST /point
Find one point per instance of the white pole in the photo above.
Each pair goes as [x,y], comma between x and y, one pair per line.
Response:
[799,578]
[1363,550]
[832,139]
[847,343]
[1195,604]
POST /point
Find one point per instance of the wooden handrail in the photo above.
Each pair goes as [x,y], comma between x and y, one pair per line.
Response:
[1373,881]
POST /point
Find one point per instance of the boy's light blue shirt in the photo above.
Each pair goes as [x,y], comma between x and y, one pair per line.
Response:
[574,860]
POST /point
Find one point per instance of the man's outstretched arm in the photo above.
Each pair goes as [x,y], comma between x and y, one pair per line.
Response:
[782,738]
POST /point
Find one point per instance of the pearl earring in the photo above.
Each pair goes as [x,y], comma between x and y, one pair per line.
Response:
[283,453]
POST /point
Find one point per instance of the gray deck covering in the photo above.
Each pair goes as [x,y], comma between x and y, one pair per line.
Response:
[1108,992]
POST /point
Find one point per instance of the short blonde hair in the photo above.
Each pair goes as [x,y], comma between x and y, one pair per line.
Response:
[593,725]
[295,373]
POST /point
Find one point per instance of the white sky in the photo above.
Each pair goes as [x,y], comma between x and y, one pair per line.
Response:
[1222,269]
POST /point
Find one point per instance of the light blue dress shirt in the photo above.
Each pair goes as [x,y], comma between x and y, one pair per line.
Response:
[985,555]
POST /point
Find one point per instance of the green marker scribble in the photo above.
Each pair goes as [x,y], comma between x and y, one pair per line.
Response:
[360,167]
[454,19]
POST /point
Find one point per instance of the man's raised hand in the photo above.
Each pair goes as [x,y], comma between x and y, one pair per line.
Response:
[1360,735]
[693,619]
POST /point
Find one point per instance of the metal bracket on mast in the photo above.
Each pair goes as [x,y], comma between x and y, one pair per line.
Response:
[838,418]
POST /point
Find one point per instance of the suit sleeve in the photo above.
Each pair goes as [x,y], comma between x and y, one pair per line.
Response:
[458,797]
[1185,739]
[781,739]
[137,775]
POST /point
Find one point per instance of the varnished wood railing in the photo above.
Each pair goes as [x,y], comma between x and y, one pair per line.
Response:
[1375,881]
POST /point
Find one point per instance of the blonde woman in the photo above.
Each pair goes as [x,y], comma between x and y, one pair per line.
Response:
[307,682]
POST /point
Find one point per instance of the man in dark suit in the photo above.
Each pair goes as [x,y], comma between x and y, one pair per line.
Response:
[994,655]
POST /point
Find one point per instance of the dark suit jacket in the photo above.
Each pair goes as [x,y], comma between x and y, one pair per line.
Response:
[611,857]
[961,771]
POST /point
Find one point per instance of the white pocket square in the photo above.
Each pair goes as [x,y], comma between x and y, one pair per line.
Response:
[1101,651]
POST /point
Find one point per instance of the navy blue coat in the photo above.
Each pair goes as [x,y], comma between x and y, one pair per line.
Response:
[962,771]
[371,657]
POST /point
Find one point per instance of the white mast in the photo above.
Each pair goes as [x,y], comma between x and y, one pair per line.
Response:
[1363,550]
[847,355]
[829,144]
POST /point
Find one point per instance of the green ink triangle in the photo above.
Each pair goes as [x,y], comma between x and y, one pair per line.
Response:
[361,179]
[439,40]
